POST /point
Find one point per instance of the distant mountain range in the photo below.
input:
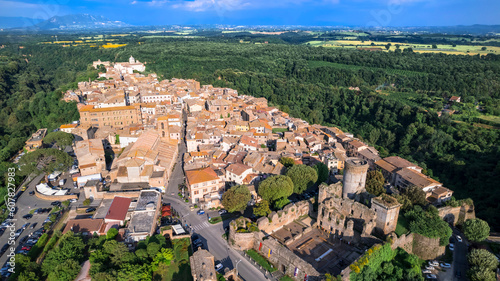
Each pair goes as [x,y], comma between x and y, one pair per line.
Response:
[96,22]
[68,22]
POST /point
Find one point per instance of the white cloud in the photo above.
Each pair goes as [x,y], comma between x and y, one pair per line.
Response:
[231,5]
[30,10]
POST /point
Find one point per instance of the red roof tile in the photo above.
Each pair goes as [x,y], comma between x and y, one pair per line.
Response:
[118,209]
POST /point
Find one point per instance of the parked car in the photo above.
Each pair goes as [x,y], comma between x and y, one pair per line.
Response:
[219,266]
[23,240]
[459,239]
[452,247]
[32,193]
[89,210]
[24,188]
[433,276]
[25,225]
[426,271]
[18,232]
[433,263]
[56,203]
[222,211]
[27,216]
[200,212]
[33,225]
[445,265]
[26,248]
[4,249]
[72,200]
[429,267]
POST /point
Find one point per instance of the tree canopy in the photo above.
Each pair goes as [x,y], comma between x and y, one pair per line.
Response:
[262,209]
[302,177]
[275,188]
[428,224]
[236,198]
[287,162]
[476,229]
[61,139]
[375,182]
[45,160]
[416,195]
[482,258]
[322,171]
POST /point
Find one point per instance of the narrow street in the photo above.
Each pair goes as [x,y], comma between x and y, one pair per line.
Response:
[210,234]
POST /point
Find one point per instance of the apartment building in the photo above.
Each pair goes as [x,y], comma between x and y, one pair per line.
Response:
[119,116]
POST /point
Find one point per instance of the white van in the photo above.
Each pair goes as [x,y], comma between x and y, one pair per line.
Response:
[62,182]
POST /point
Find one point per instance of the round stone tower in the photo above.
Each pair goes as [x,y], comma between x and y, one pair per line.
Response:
[354,177]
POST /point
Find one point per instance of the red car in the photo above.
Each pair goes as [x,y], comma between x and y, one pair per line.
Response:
[26,248]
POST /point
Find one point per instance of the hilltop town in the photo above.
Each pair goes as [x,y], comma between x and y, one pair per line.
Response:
[158,156]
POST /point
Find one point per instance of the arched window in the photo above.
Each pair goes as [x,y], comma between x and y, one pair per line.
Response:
[163,132]
[163,127]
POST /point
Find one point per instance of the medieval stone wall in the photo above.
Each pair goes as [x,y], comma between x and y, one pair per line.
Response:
[327,191]
[284,259]
[457,215]
[424,247]
[404,242]
[427,248]
[334,214]
[290,212]
[240,240]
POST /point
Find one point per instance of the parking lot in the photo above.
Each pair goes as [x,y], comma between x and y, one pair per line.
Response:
[26,203]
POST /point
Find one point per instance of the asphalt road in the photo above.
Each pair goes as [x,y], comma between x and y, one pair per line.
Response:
[25,203]
[210,235]
[460,257]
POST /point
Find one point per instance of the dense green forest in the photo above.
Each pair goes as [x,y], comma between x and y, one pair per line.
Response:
[310,83]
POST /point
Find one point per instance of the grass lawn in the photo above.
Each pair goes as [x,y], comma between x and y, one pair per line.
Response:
[261,260]
[491,120]
[286,278]
[279,130]
[402,226]
[215,220]
[61,223]
[180,268]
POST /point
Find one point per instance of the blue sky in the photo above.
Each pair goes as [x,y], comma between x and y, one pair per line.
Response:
[268,12]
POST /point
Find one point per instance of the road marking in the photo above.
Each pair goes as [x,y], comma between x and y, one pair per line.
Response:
[201,226]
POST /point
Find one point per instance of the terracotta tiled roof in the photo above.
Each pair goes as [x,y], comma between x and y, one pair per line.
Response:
[237,168]
[201,175]
[83,225]
[118,209]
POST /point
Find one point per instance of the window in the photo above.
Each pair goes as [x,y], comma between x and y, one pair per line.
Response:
[204,190]
[196,192]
